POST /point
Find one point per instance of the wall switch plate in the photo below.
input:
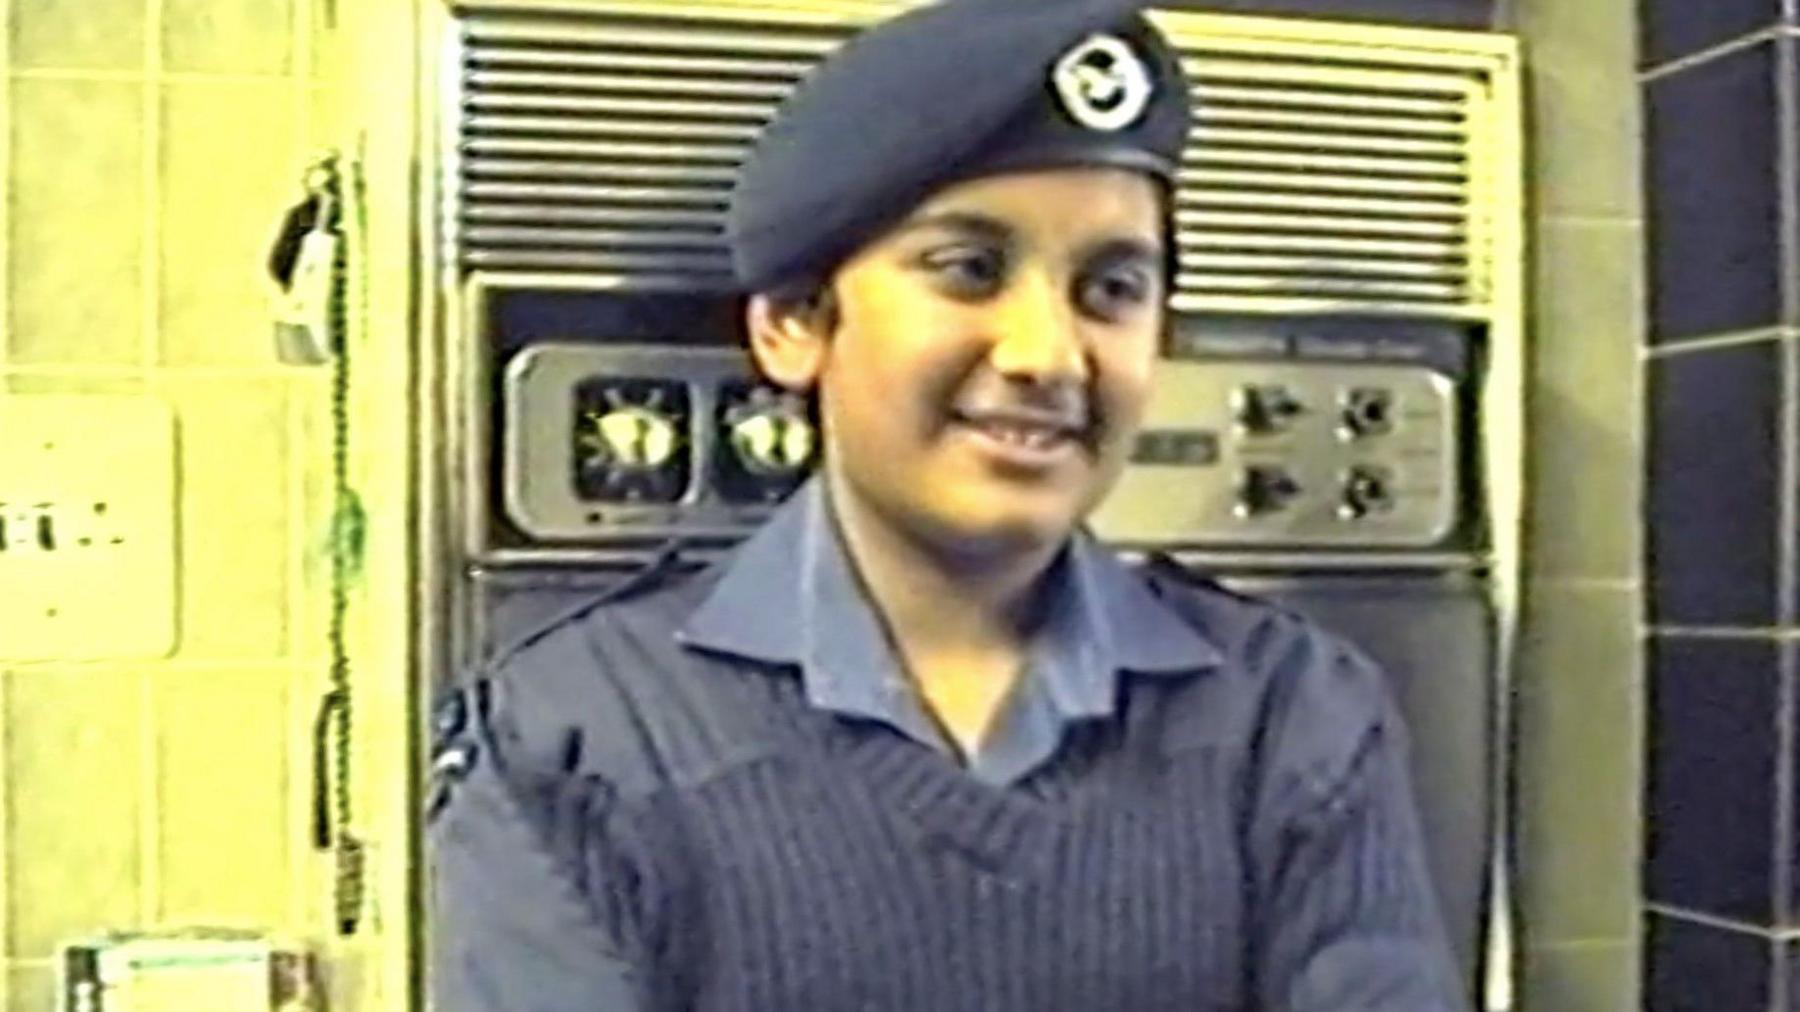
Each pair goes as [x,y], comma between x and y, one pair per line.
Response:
[87,527]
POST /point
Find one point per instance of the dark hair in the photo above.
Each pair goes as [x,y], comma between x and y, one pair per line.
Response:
[810,297]
[1171,235]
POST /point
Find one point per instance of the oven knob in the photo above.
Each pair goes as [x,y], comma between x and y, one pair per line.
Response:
[1264,408]
[630,438]
[1365,411]
[1367,489]
[772,442]
[1262,489]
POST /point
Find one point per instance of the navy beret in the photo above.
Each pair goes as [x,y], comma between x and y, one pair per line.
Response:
[946,92]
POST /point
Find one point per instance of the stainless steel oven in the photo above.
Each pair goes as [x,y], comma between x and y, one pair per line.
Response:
[1335,424]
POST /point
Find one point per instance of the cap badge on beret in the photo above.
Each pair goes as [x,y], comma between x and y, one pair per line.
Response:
[1102,83]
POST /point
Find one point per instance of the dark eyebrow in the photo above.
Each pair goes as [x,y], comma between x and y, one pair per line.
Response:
[1133,251]
[1112,250]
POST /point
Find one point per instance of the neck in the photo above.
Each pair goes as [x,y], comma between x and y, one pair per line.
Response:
[937,602]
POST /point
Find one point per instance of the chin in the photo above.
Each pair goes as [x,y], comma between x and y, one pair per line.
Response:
[991,529]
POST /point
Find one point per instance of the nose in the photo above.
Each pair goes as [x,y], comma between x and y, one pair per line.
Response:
[1037,334]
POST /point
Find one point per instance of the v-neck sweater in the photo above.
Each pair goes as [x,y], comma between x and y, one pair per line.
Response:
[1238,839]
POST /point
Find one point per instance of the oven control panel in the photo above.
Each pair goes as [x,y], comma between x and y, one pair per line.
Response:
[1291,453]
[635,442]
[638,443]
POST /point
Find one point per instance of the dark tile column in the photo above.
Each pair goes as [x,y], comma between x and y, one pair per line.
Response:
[1722,870]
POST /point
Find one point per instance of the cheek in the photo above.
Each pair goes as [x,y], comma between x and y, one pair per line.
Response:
[1122,382]
[880,395]
[904,360]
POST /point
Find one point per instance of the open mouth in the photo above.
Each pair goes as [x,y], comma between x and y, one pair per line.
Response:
[1023,432]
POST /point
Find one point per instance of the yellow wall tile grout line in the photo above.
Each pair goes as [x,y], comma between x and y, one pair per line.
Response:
[6,677]
[129,76]
[167,373]
[296,391]
[300,393]
[150,808]
[6,103]
[6,680]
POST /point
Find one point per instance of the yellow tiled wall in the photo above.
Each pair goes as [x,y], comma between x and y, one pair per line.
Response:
[150,148]
[1579,699]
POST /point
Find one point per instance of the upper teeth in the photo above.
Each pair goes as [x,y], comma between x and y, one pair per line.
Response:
[1023,434]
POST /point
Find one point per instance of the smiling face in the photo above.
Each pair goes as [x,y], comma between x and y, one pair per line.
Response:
[984,363]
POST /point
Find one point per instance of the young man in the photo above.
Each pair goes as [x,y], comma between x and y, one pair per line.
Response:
[921,744]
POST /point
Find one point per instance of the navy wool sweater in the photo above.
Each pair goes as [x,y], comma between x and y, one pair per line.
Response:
[624,822]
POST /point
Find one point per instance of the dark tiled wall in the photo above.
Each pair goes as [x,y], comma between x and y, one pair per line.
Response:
[1715,782]
[1713,196]
[1695,968]
[1713,482]
[1673,29]
[1722,869]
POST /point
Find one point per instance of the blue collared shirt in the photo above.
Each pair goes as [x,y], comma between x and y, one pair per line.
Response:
[791,596]
[674,755]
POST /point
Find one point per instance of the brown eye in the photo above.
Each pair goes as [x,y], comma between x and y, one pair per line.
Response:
[1113,292]
[966,271]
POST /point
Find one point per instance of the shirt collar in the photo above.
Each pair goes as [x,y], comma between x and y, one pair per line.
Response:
[790,596]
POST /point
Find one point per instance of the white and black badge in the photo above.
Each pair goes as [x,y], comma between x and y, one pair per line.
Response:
[1102,83]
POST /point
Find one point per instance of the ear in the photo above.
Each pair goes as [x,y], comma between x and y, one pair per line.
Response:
[787,343]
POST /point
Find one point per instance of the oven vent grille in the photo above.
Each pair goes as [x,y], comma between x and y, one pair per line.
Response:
[597,142]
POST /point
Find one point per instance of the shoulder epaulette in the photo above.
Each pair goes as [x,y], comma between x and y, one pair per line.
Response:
[652,575]
[1161,566]
[1162,569]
